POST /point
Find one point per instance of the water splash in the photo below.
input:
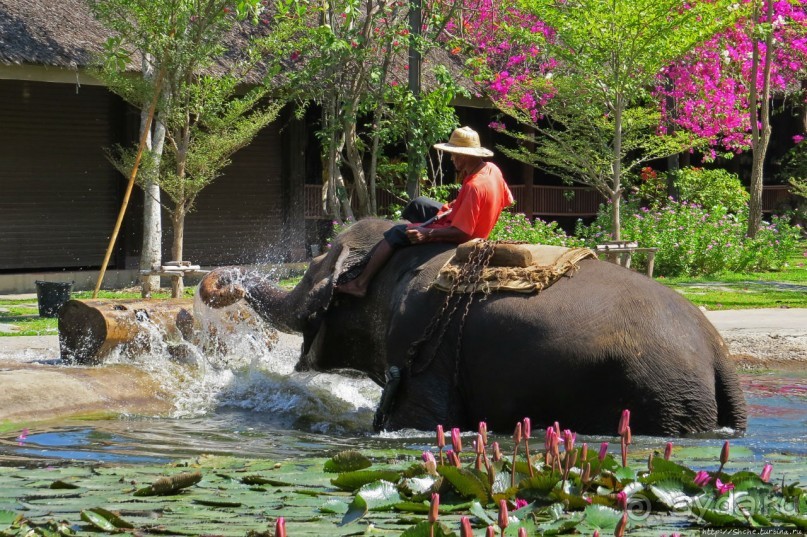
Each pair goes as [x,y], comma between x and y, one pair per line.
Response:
[231,359]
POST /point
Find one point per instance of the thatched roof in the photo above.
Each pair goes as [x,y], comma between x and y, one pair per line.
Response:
[60,33]
[64,34]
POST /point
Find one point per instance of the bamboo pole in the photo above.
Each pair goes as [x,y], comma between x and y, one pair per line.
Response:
[128,194]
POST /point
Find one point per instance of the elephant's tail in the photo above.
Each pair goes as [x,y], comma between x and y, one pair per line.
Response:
[731,408]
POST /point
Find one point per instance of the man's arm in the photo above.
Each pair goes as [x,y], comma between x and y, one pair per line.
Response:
[418,235]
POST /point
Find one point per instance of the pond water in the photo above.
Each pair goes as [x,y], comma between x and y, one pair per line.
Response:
[251,403]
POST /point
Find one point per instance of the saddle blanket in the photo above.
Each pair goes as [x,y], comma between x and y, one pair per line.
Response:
[524,268]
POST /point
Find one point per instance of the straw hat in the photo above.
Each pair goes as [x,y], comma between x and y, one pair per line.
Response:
[464,141]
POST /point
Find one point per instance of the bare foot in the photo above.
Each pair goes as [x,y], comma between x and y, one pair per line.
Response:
[351,288]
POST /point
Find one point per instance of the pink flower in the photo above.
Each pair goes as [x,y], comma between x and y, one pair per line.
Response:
[622,500]
[722,488]
[668,451]
[23,435]
[520,502]
[568,439]
[483,430]
[624,421]
[766,472]
[603,451]
[797,139]
[430,462]
[456,440]
[702,479]
[434,508]
[280,527]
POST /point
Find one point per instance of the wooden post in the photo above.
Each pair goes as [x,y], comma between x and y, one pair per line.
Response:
[141,146]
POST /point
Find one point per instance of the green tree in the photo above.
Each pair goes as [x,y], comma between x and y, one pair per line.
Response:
[198,80]
[350,62]
[585,90]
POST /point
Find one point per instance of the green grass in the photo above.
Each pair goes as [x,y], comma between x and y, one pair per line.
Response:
[783,289]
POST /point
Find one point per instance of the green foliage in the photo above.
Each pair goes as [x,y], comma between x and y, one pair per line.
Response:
[514,226]
[711,188]
[692,240]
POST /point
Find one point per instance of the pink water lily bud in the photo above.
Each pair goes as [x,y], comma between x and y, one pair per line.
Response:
[550,432]
[280,527]
[522,532]
[585,477]
[724,453]
[584,453]
[568,440]
[434,508]
[603,451]
[483,430]
[465,527]
[430,462]
[441,437]
[596,533]
[766,472]
[702,479]
[480,444]
[557,428]
[622,500]
[504,516]
[456,440]
[490,532]
[452,458]
[517,434]
[497,452]
[624,421]
[622,525]
[628,436]
[668,451]
[527,428]
[722,488]
[650,462]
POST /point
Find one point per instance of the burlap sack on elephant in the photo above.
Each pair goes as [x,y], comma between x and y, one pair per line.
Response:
[548,264]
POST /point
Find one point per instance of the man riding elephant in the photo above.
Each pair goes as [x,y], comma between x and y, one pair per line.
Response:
[481,199]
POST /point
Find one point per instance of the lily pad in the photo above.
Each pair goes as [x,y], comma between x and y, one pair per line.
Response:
[468,483]
[347,461]
[105,520]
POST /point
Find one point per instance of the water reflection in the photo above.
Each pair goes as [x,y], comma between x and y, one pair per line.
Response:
[777,432]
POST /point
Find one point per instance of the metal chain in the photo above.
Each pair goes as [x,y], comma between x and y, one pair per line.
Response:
[470,274]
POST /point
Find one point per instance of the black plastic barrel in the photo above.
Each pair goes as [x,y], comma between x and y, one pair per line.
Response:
[51,296]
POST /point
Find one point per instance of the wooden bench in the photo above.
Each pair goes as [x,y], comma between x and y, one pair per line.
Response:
[175,270]
[621,252]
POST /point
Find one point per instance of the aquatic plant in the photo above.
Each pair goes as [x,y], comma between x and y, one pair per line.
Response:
[574,490]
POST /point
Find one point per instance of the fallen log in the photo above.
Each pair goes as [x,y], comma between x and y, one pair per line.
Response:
[89,330]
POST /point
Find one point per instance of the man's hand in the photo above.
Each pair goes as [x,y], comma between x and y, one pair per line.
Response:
[418,235]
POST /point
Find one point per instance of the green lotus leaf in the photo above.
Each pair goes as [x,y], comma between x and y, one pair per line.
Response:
[424,529]
[7,518]
[335,507]
[671,493]
[380,496]
[800,521]
[216,503]
[538,486]
[355,480]
[668,468]
[468,483]
[355,511]
[560,525]
[478,511]
[413,507]
[260,480]
[347,461]
[718,517]
[418,487]
[104,520]
[625,474]
[601,518]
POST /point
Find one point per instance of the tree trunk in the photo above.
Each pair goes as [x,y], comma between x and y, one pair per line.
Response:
[178,220]
[760,137]
[616,190]
[356,166]
[151,251]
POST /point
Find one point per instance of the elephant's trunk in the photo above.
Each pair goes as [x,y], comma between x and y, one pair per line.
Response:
[227,285]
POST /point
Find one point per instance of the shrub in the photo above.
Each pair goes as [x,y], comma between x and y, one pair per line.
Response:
[711,188]
[517,227]
[693,240]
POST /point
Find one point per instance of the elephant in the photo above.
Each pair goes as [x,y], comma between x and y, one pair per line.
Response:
[579,352]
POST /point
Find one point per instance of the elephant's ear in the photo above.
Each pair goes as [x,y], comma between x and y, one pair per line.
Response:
[321,294]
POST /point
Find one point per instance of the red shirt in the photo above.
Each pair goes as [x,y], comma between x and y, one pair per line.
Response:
[479,203]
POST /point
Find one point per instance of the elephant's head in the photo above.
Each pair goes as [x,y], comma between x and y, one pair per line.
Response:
[304,308]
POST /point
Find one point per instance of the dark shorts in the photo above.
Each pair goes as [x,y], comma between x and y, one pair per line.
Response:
[418,210]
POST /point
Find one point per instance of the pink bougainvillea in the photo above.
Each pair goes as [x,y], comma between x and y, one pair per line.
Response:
[709,88]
